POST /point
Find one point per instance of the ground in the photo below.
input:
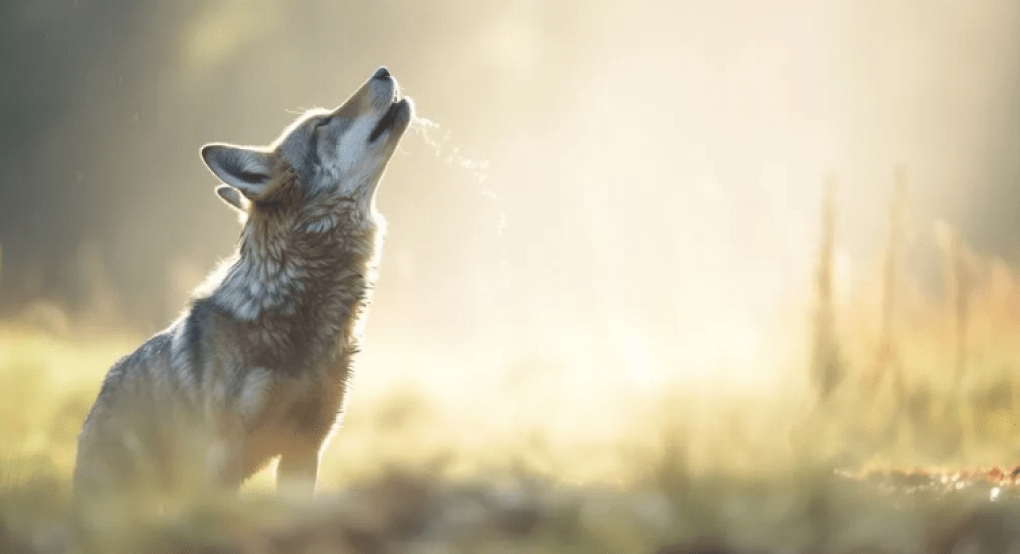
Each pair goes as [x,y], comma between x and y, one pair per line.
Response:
[808,511]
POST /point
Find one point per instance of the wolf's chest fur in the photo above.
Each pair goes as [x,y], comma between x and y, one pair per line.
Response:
[293,305]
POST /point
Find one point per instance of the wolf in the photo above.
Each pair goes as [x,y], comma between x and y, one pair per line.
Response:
[257,366]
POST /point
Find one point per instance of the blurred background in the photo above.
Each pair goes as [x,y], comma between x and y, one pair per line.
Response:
[607,232]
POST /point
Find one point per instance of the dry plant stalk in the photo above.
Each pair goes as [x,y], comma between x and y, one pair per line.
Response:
[957,285]
[956,280]
[960,305]
[887,356]
[826,367]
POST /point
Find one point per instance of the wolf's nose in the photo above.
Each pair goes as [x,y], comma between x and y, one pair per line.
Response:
[381,73]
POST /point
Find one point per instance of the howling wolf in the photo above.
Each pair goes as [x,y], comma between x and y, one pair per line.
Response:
[257,367]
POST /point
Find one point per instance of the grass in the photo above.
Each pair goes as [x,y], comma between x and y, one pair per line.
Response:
[803,510]
[733,475]
[541,457]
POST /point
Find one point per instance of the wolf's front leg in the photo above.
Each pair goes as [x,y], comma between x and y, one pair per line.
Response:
[224,455]
[297,472]
[225,462]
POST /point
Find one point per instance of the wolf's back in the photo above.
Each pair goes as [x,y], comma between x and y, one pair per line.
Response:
[124,445]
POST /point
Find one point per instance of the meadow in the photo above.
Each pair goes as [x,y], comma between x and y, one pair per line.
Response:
[889,437]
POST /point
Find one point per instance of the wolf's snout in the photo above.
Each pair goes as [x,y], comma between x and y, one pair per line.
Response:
[381,73]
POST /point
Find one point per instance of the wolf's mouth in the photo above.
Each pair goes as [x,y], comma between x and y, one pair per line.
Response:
[387,120]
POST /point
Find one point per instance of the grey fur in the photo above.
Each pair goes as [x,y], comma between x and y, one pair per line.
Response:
[258,366]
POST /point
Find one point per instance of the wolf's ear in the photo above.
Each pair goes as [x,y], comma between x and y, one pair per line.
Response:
[232,196]
[247,170]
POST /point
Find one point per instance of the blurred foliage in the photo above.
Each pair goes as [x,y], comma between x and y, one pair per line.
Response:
[804,509]
[686,469]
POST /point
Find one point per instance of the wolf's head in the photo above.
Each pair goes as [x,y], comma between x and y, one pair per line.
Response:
[324,155]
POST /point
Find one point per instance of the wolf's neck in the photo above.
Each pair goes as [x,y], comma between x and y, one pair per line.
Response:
[314,276]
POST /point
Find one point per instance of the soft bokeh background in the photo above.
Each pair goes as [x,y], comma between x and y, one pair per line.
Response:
[607,224]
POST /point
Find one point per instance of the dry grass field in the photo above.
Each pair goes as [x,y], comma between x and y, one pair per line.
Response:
[892,444]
